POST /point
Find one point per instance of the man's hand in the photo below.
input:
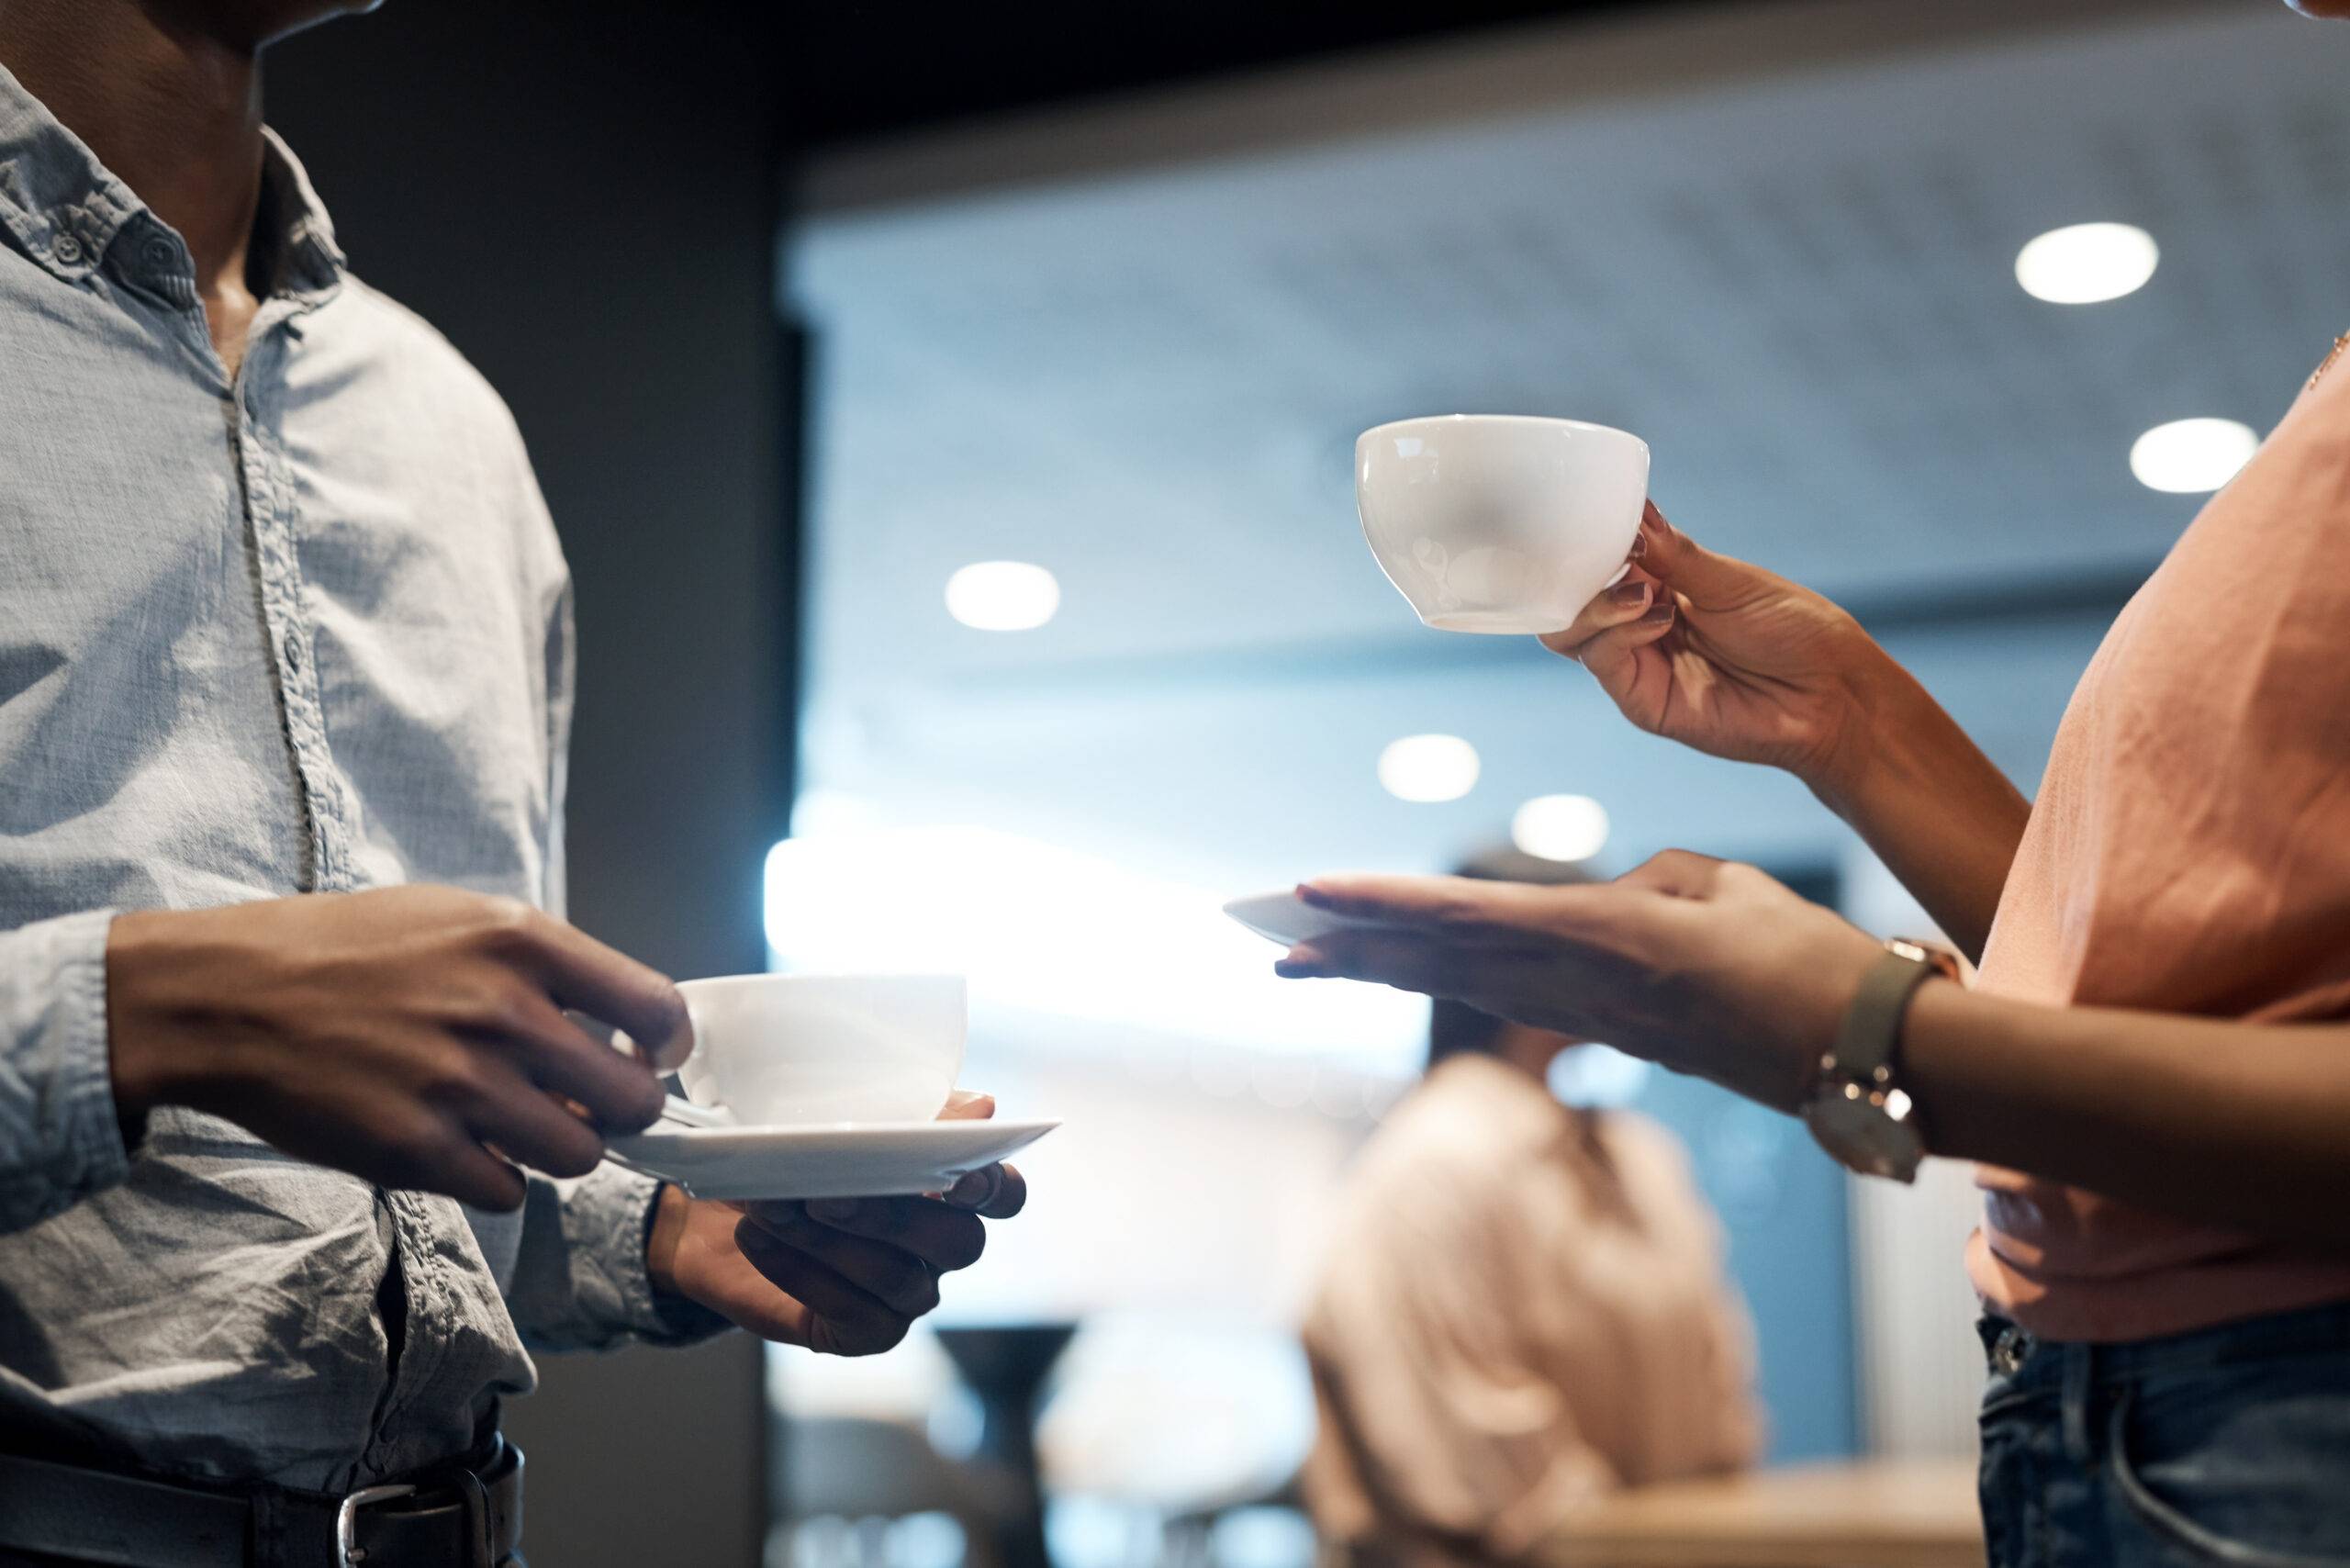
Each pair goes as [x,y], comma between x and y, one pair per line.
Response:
[1704,966]
[415,1036]
[841,1276]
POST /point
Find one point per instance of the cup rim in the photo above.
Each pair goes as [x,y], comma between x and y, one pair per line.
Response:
[1586,426]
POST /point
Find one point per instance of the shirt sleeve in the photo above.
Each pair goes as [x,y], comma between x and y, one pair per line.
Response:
[562,680]
[580,1282]
[60,1140]
[579,1278]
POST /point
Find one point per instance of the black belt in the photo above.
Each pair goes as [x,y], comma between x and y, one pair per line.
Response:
[450,1517]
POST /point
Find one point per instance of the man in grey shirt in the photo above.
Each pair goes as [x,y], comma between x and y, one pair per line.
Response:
[299,1147]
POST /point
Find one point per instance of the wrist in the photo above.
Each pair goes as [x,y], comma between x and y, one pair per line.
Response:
[1934,1035]
[151,1058]
[1858,1105]
[663,1237]
[1888,745]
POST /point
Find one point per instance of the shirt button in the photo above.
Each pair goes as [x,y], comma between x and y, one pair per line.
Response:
[294,654]
[156,255]
[67,249]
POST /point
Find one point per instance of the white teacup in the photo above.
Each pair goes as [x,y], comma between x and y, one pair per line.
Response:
[792,1050]
[1500,522]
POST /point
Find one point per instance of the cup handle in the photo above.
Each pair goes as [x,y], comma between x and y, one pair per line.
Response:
[676,1107]
[685,1113]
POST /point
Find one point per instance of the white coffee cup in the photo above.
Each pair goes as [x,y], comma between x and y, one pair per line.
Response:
[1500,522]
[794,1050]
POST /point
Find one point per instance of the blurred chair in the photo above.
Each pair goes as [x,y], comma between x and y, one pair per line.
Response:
[1160,1428]
[1094,1532]
[1268,1530]
[859,1493]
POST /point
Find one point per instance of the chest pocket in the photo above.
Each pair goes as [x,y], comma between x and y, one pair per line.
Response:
[431,670]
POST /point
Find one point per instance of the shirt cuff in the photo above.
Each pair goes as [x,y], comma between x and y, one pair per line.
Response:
[673,1319]
[56,1076]
[582,1282]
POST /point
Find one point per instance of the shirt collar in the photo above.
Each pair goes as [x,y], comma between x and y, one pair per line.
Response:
[313,263]
[65,209]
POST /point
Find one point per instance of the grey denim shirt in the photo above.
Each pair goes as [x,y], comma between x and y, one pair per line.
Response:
[309,629]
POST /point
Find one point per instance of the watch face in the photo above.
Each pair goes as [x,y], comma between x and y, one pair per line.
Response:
[1861,1134]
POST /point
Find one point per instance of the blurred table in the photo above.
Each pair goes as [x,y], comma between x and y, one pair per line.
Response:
[1006,1368]
[1868,1514]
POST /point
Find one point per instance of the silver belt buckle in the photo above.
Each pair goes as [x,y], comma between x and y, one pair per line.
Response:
[2007,1351]
[348,1552]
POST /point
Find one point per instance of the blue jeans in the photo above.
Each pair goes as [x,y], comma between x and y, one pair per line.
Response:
[2229,1445]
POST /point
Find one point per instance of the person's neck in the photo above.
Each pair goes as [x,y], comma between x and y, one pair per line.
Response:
[173,111]
[1533,1060]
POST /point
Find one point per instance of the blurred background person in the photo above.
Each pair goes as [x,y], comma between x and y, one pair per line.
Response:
[1524,1306]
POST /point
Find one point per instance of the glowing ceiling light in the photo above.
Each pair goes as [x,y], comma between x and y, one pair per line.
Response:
[2086,263]
[1428,768]
[2188,457]
[1003,596]
[1559,828]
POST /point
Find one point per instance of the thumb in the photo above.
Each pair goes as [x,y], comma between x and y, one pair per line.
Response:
[1706,580]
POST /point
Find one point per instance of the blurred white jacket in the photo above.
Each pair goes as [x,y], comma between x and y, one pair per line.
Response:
[1524,1306]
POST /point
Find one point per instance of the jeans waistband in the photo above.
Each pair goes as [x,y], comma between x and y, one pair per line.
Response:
[2032,1363]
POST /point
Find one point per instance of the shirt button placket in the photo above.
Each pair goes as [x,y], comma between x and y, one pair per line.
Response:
[270,505]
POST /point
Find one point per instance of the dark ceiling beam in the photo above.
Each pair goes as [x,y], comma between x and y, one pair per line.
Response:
[1219,87]
[866,68]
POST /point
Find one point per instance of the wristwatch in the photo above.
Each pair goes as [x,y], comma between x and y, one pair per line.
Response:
[1858,1109]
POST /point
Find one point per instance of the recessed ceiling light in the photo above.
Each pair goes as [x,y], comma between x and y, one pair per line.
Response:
[2086,263]
[1003,596]
[2188,457]
[1428,768]
[1559,828]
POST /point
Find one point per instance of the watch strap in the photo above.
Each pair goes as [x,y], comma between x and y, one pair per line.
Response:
[1871,1031]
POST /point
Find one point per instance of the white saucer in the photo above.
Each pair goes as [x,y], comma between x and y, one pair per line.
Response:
[1285,918]
[872,1159]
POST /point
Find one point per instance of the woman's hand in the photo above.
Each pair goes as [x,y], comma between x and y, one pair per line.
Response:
[839,1276]
[1727,657]
[1714,969]
[1704,965]
[1736,661]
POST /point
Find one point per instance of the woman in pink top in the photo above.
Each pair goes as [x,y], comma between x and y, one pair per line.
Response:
[2153,1065]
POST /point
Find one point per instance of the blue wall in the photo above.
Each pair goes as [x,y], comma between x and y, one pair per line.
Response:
[1781,1201]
